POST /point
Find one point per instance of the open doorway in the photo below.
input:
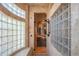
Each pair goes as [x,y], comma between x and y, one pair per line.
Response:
[39,30]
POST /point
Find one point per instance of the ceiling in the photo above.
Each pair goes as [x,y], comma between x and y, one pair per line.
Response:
[22,5]
[48,5]
[39,4]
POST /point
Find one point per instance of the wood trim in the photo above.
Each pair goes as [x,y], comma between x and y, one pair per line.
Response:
[26,28]
[28,25]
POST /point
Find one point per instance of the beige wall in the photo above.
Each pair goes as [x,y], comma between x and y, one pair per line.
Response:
[75,29]
[34,9]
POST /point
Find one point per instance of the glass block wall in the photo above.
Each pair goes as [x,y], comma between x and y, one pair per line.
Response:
[12,34]
[61,29]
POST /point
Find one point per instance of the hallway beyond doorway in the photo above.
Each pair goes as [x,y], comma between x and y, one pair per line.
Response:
[40,30]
